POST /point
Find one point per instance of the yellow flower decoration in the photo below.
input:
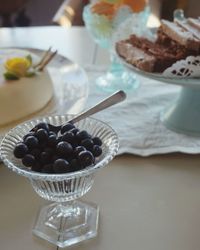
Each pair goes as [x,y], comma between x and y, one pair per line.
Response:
[18,66]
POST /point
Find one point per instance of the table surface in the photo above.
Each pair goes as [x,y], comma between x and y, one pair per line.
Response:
[150,203]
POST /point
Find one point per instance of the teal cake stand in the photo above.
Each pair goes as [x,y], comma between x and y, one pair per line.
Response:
[183,114]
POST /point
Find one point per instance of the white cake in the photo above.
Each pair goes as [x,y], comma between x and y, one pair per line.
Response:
[25,96]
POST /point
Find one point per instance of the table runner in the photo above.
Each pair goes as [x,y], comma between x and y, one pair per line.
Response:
[137,119]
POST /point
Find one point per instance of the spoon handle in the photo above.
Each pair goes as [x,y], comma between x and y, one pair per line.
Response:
[106,103]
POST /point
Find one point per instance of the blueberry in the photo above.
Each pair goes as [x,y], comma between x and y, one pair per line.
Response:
[36,153]
[64,148]
[52,133]
[52,140]
[86,158]
[49,150]
[75,165]
[79,149]
[74,131]
[42,146]
[48,168]
[81,135]
[68,137]
[42,125]
[59,139]
[97,141]
[36,167]
[29,134]
[31,142]
[28,160]
[66,127]
[96,150]
[42,135]
[61,166]
[20,150]
[87,143]
[55,157]
[45,158]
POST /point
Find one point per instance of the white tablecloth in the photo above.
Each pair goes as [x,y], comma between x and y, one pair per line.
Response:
[137,119]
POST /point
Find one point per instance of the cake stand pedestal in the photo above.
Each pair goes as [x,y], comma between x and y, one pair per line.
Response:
[183,116]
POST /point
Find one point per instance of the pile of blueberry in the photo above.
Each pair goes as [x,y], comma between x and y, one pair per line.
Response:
[68,150]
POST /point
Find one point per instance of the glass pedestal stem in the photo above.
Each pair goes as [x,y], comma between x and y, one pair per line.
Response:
[117,77]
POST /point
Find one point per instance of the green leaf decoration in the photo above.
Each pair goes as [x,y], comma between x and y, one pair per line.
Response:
[10,76]
[29,58]
[30,74]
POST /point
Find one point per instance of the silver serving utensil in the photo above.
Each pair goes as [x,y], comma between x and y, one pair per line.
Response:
[115,98]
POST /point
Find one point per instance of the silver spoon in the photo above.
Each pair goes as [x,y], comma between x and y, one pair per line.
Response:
[115,98]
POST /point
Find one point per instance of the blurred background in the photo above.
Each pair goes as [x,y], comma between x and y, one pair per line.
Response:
[16,13]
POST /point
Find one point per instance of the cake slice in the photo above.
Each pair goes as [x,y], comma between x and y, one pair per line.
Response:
[151,56]
[181,35]
[195,23]
[135,56]
[190,25]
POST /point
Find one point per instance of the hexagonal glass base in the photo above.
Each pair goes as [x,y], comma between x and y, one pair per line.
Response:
[65,224]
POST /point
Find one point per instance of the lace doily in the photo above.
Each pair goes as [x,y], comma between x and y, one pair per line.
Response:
[190,67]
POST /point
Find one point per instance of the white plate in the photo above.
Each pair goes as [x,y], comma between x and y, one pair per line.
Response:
[71,89]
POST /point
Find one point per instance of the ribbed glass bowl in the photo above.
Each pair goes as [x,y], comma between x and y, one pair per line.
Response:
[63,188]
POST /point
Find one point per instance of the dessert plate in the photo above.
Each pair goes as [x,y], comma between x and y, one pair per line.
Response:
[70,89]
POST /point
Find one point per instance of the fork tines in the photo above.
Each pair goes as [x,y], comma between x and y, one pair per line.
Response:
[47,57]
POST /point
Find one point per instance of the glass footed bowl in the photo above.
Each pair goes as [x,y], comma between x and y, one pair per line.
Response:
[102,30]
[66,221]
